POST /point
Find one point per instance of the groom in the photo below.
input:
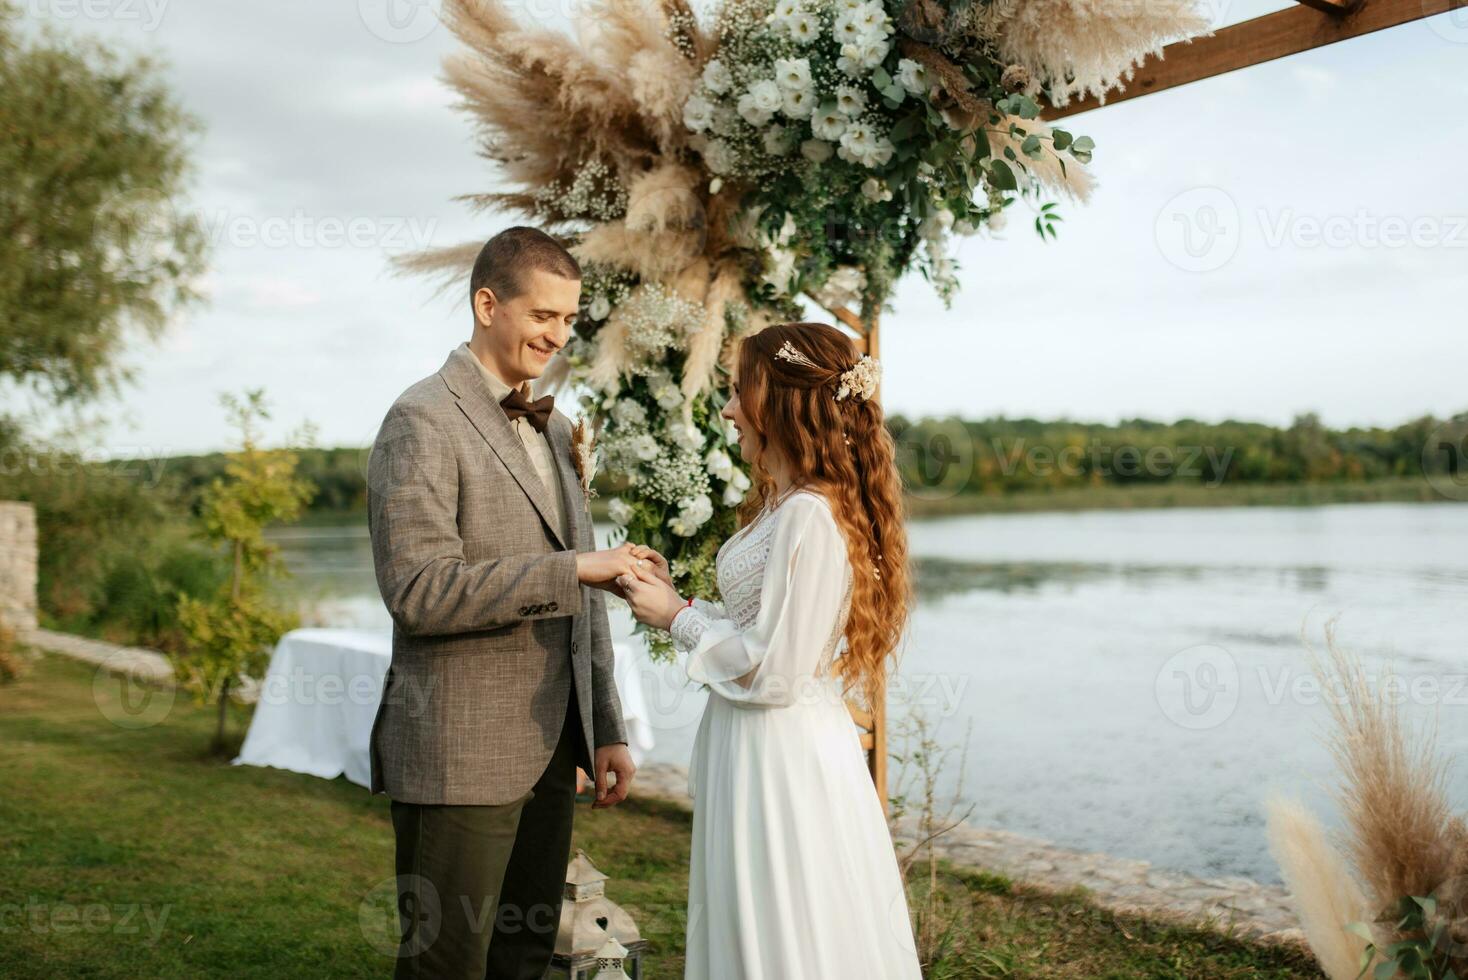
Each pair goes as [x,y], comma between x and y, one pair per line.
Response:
[501,677]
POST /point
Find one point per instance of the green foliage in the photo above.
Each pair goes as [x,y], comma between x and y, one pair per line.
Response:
[115,552]
[1425,951]
[230,633]
[1009,456]
[93,245]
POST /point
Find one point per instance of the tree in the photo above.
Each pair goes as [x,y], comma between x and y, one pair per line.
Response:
[230,636]
[94,246]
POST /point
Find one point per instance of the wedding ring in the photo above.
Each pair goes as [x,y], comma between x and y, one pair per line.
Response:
[641,562]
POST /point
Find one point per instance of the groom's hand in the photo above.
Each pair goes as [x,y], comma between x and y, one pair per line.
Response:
[617,759]
[600,569]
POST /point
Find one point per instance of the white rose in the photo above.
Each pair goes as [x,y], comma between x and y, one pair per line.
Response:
[778,141]
[698,113]
[628,413]
[860,57]
[731,434]
[872,19]
[798,104]
[645,448]
[781,269]
[718,464]
[619,511]
[875,190]
[816,151]
[828,124]
[804,28]
[599,308]
[668,395]
[685,436]
[726,120]
[741,480]
[850,100]
[913,77]
[716,77]
[786,11]
[751,112]
[792,74]
[936,225]
[733,496]
[848,28]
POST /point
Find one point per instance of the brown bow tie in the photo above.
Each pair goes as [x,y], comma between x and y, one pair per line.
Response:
[538,412]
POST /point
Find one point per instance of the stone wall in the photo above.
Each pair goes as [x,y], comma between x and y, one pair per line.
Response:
[18,565]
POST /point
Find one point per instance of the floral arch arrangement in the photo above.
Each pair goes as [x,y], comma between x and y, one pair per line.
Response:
[709,178]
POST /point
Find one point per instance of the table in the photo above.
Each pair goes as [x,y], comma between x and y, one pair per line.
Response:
[315,707]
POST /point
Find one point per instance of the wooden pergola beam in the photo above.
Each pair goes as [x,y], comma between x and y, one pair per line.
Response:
[1253,42]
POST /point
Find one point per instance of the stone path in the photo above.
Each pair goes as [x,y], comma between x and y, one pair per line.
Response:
[1254,909]
[146,664]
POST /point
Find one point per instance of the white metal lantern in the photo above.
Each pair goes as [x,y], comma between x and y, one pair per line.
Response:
[590,922]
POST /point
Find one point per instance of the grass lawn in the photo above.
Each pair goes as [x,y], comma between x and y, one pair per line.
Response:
[125,852]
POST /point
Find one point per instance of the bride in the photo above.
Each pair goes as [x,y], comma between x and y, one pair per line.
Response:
[793,874]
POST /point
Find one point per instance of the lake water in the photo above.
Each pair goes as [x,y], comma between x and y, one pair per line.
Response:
[1135,682]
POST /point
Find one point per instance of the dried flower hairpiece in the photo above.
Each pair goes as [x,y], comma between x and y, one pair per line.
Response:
[860,380]
[789,352]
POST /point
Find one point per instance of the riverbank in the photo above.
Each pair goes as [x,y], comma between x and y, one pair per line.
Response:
[1141,497]
[194,867]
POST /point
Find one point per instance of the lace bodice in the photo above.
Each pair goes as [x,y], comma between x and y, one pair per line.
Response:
[813,583]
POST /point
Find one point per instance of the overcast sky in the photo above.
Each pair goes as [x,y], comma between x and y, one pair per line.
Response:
[1288,238]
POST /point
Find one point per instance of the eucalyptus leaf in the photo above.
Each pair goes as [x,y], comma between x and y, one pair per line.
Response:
[1002,177]
[1062,138]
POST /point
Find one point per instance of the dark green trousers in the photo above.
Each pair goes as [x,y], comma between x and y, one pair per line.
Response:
[479,887]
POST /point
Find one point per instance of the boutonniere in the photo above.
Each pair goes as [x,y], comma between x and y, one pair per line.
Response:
[584,455]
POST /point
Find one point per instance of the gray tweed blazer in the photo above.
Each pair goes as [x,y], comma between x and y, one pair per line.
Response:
[490,626]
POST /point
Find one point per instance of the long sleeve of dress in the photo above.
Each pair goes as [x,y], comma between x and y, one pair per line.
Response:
[773,662]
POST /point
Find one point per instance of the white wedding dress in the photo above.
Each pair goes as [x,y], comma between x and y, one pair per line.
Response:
[793,874]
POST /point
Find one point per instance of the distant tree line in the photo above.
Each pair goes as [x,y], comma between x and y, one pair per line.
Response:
[1014,455]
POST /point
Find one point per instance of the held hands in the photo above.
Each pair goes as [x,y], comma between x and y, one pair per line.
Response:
[600,569]
[651,594]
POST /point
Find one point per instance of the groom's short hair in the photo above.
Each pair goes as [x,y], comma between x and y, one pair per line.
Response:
[506,260]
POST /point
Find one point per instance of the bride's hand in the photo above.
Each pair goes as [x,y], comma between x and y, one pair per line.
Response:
[653,601]
[655,561]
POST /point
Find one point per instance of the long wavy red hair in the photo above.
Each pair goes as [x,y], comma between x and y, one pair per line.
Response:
[842,450]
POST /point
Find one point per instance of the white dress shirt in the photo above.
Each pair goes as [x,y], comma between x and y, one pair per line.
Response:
[535,443]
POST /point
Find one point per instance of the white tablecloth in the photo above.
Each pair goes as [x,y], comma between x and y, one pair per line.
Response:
[316,704]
